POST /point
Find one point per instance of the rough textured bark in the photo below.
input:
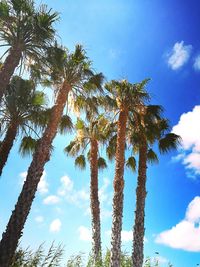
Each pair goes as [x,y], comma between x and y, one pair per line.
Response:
[8,68]
[94,204]
[19,215]
[139,229]
[7,144]
[118,191]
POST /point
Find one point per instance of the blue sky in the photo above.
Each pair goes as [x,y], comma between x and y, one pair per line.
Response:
[133,40]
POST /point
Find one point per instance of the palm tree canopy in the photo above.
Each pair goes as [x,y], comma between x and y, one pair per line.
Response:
[123,94]
[95,129]
[22,104]
[150,124]
[74,68]
[26,27]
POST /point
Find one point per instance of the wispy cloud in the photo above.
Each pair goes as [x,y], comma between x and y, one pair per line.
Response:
[179,55]
[190,152]
[42,186]
[197,63]
[84,233]
[186,234]
[51,200]
[66,185]
[39,219]
[55,226]
[81,197]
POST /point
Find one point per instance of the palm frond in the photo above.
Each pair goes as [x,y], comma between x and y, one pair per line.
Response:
[73,148]
[152,156]
[101,163]
[154,111]
[131,163]
[28,146]
[80,162]
[169,142]
[65,125]
[111,147]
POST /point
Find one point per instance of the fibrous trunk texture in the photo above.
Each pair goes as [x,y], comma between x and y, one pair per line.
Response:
[19,215]
[8,68]
[7,144]
[118,191]
[139,229]
[94,203]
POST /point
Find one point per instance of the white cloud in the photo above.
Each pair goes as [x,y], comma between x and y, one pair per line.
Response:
[190,154]
[50,200]
[66,185]
[42,186]
[188,121]
[39,219]
[197,63]
[186,234]
[192,161]
[55,226]
[81,197]
[178,157]
[84,233]
[193,210]
[179,55]
[22,176]
[126,236]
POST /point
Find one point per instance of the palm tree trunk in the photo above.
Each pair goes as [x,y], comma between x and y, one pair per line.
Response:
[8,68]
[95,205]
[7,144]
[19,215]
[118,190]
[139,229]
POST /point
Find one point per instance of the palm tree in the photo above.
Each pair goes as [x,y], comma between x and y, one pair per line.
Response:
[147,128]
[26,31]
[91,134]
[71,72]
[21,107]
[122,98]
